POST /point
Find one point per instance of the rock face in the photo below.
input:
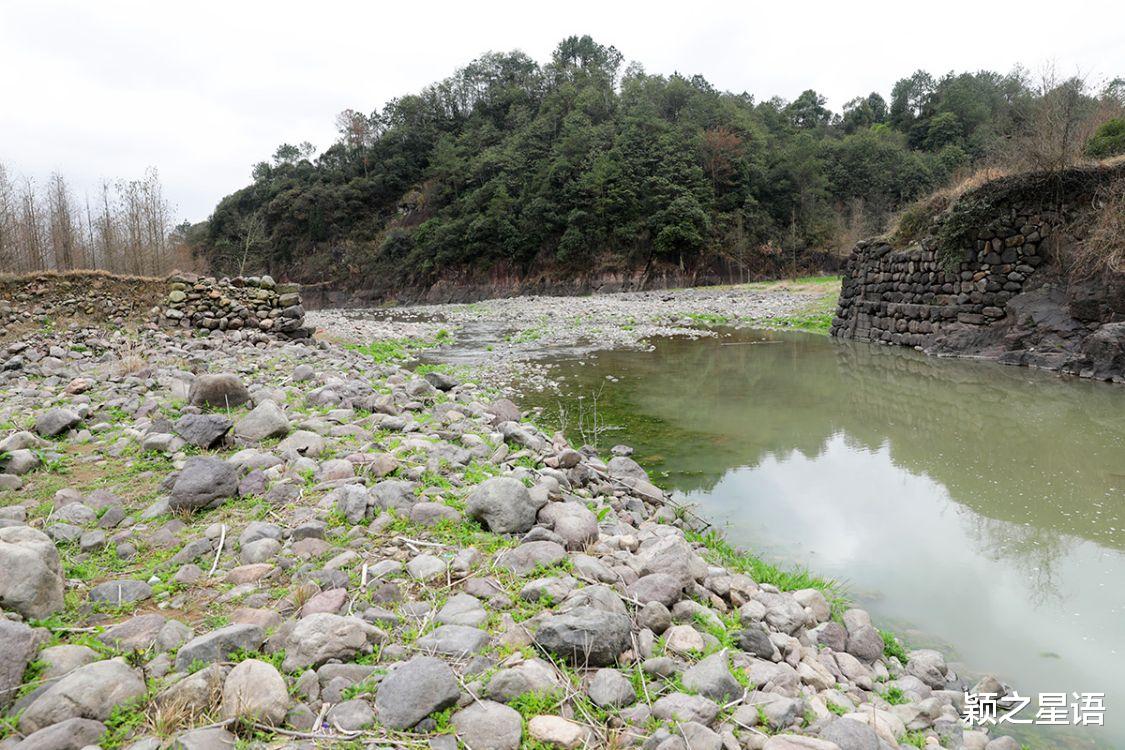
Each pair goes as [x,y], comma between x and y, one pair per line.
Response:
[414,690]
[223,390]
[90,692]
[585,635]
[203,481]
[980,282]
[503,505]
[31,581]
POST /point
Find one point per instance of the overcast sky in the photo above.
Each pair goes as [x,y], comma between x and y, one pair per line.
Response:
[202,90]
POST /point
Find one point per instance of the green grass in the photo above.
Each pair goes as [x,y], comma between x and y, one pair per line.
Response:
[892,647]
[710,319]
[398,350]
[810,322]
[722,553]
[895,696]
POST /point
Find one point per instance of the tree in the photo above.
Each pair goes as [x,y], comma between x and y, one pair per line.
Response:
[910,98]
[808,111]
[863,112]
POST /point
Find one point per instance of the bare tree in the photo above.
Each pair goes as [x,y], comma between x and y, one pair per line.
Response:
[61,220]
[1061,119]
[253,232]
[125,229]
[31,229]
[9,222]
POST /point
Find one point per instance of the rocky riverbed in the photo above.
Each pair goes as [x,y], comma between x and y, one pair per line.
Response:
[502,339]
[230,539]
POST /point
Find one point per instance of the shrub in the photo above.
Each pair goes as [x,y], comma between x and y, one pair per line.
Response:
[1109,140]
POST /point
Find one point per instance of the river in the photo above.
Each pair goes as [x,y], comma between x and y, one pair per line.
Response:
[969,506]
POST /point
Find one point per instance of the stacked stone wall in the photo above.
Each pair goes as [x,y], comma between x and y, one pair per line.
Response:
[907,296]
[252,304]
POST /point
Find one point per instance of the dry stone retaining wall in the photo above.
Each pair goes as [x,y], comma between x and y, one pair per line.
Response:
[251,304]
[907,296]
[989,279]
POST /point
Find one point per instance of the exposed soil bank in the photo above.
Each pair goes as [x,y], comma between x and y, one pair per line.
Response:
[471,285]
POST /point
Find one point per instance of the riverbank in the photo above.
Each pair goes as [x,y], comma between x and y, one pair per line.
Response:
[219,539]
[503,339]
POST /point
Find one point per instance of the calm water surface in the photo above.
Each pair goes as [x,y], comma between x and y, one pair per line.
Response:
[969,506]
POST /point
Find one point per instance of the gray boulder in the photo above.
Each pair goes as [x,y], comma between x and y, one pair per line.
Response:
[203,481]
[585,635]
[205,739]
[202,430]
[322,636]
[711,677]
[850,734]
[55,422]
[414,690]
[611,689]
[487,725]
[527,557]
[19,644]
[865,643]
[90,692]
[453,640]
[657,587]
[135,634]
[31,581]
[255,690]
[682,707]
[222,390]
[504,506]
[71,734]
[266,420]
[351,715]
[393,494]
[120,592]
[216,645]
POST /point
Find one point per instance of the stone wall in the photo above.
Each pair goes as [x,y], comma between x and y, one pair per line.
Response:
[986,280]
[242,303]
[49,299]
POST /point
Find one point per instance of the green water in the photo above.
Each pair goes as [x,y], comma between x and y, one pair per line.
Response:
[969,506]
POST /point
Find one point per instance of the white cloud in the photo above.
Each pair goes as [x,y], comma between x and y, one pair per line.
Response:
[202,90]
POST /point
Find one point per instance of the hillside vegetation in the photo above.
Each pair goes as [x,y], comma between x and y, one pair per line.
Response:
[580,164]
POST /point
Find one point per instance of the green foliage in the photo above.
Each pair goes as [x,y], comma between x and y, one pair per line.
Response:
[892,647]
[1109,140]
[914,739]
[895,696]
[722,553]
[509,164]
[535,703]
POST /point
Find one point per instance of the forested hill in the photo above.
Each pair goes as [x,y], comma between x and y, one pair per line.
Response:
[510,168]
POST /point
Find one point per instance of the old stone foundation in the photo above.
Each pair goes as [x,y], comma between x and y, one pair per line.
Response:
[988,279]
[252,304]
[245,302]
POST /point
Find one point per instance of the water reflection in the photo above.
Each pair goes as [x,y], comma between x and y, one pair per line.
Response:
[973,504]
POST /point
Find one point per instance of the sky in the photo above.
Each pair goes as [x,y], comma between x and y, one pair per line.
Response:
[202,90]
